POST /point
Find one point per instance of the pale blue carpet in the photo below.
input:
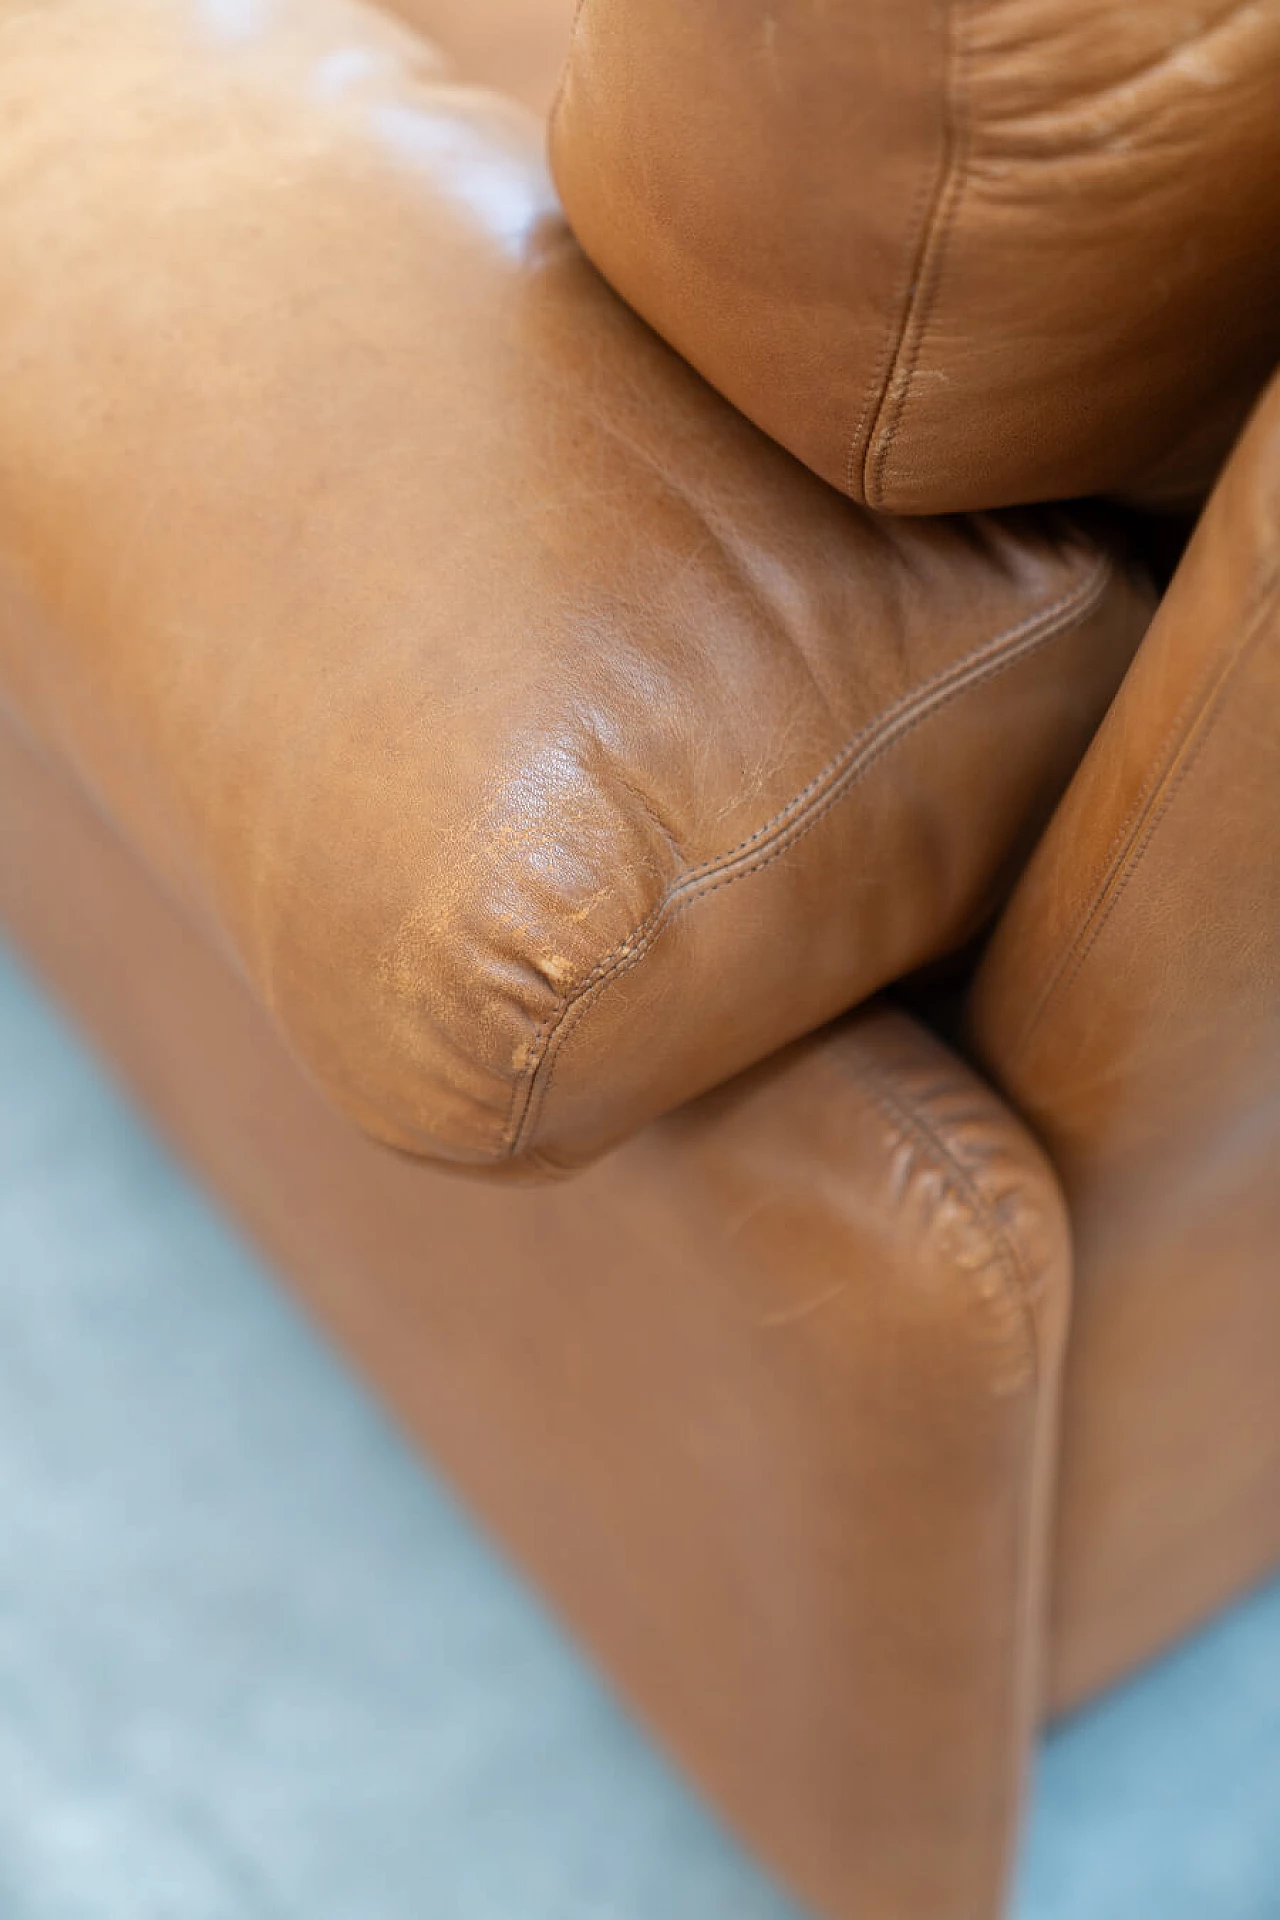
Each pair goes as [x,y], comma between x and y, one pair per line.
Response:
[255,1666]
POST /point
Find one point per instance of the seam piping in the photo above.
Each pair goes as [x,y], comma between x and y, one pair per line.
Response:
[795,819]
[925,282]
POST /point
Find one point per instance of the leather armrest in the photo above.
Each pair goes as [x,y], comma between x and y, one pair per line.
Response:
[545,744]
[796,1349]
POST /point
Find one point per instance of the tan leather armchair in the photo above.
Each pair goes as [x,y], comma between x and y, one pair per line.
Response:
[429,710]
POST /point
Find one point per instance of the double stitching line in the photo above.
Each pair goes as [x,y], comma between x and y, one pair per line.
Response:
[795,819]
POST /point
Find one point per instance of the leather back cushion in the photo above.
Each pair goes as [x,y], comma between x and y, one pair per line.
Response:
[951,255]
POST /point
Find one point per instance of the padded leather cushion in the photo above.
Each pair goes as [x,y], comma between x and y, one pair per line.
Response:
[952,253]
[544,742]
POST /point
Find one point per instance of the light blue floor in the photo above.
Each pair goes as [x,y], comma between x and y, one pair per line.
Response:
[255,1666]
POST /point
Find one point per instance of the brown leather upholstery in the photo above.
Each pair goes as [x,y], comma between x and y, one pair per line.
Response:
[952,255]
[765,1401]
[547,745]
[417,620]
[1131,1006]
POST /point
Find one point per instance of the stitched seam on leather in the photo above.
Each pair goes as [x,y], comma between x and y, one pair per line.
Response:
[1187,740]
[795,819]
[923,208]
[937,231]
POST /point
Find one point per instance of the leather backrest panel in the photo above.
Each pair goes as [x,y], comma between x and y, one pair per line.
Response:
[1130,1005]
